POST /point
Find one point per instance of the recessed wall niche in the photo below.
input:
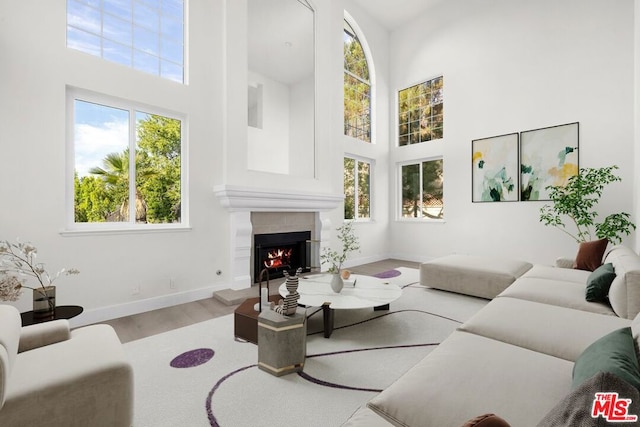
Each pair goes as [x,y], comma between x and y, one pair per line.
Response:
[281,87]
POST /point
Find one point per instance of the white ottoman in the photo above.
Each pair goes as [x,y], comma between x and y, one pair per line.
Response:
[478,276]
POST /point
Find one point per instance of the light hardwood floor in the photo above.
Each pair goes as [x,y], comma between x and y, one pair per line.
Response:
[157,321]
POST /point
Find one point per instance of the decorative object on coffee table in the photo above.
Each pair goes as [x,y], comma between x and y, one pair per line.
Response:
[577,201]
[289,305]
[335,259]
[337,283]
[18,262]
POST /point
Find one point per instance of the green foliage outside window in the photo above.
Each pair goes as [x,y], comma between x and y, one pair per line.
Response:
[420,112]
[422,190]
[357,172]
[103,196]
[357,88]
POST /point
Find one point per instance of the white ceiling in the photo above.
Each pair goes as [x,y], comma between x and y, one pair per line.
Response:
[393,13]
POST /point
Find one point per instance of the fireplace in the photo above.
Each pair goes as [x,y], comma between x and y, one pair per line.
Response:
[278,252]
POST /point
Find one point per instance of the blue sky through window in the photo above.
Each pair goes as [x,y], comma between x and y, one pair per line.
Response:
[147,35]
[98,130]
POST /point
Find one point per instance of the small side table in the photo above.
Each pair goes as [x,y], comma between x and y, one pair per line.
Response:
[60,312]
[245,321]
[282,342]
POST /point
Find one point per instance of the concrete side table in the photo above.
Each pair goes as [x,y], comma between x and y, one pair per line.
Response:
[282,342]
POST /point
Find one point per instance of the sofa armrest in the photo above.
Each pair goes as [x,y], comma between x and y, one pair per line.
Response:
[42,334]
[563,262]
[83,381]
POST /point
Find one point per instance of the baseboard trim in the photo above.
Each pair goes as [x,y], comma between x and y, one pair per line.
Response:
[102,314]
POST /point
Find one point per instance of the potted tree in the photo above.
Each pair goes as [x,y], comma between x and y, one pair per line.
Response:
[577,202]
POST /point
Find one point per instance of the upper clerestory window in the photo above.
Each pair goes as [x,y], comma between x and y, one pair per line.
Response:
[357,87]
[147,35]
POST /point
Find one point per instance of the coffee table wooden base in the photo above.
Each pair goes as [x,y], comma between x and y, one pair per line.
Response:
[328,317]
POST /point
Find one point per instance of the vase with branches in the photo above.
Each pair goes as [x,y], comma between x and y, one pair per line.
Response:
[18,264]
[349,243]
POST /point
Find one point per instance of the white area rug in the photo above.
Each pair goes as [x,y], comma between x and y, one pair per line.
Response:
[230,391]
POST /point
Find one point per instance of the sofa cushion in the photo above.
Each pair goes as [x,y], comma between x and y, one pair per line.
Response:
[10,326]
[590,254]
[614,353]
[575,409]
[554,273]
[624,294]
[528,324]
[480,276]
[556,292]
[468,375]
[599,282]
[486,420]
[365,417]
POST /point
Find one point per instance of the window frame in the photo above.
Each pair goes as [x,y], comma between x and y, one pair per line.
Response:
[398,209]
[72,227]
[371,163]
[397,109]
[348,19]
[102,12]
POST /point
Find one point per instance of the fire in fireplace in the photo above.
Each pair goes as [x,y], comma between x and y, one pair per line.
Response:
[278,252]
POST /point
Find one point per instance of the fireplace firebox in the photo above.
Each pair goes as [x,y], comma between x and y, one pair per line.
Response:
[278,252]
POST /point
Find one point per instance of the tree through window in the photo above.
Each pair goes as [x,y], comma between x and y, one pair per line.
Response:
[357,88]
[357,189]
[422,195]
[127,165]
[420,112]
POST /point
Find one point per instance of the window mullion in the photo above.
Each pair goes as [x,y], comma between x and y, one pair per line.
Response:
[360,79]
[420,193]
[356,189]
[132,165]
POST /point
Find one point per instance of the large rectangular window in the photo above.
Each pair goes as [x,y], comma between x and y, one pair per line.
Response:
[147,35]
[420,112]
[422,195]
[357,189]
[127,163]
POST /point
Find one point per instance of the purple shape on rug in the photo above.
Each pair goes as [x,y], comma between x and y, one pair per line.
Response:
[388,274]
[192,358]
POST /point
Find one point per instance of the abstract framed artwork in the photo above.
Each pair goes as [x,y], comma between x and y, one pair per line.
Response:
[548,156]
[495,168]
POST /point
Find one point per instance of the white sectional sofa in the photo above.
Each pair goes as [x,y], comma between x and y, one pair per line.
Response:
[515,357]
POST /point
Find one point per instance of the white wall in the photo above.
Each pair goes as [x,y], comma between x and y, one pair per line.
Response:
[510,66]
[268,147]
[36,68]
[302,147]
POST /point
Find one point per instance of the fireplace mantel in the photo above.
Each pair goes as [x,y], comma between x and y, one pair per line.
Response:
[242,201]
[237,198]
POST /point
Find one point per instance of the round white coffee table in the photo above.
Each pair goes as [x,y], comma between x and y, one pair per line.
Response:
[367,292]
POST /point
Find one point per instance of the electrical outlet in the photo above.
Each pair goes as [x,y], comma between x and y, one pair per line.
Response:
[135,290]
[172,283]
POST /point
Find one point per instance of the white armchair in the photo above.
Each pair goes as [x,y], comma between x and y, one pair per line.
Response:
[52,376]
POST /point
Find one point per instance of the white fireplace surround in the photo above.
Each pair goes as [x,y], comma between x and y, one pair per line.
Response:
[242,201]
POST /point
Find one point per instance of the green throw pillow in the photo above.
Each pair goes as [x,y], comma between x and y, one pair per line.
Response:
[614,353]
[599,282]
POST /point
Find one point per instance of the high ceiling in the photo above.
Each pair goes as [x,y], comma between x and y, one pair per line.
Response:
[393,13]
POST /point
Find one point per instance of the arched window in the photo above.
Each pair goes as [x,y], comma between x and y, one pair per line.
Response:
[357,87]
